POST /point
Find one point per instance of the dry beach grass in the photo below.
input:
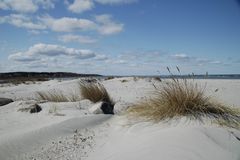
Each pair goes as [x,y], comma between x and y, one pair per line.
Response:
[180,97]
[94,92]
[56,96]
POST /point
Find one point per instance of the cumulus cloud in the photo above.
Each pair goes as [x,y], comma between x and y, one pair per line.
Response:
[115,1]
[21,57]
[79,6]
[83,54]
[51,50]
[25,6]
[76,38]
[64,24]
[103,24]
[22,21]
[68,24]
[107,25]
[47,49]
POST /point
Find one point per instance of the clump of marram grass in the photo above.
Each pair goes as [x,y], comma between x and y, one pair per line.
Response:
[56,96]
[74,97]
[124,80]
[180,97]
[94,92]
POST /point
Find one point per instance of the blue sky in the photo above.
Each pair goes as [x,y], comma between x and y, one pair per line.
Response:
[120,37]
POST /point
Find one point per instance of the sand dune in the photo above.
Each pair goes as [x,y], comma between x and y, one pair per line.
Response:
[26,142]
[76,133]
[186,141]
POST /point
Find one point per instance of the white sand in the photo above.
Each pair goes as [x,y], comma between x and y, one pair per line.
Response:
[69,131]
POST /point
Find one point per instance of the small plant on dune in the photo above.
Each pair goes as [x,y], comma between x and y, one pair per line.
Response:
[135,79]
[52,96]
[54,110]
[95,92]
[157,79]
[184,97]
[109,78]
[124,80]
[56,96]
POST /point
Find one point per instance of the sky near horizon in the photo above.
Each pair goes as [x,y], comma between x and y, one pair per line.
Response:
[120,37]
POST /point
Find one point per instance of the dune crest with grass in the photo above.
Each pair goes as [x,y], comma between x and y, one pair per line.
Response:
[178,97]
[67,128]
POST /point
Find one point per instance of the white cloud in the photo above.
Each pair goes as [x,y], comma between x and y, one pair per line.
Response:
[47,50]
[50,50]
[21,57]
[24,6]
[204,61]
[82,54]
[107,26]
[22,21]
[120,61]
[79,6]
[67,24]
[101,58]
[215,62]
[34,32]
[37,32]
[115,1]
[103,24]
[181,57]
[46,4]
[76,38]
[64,24]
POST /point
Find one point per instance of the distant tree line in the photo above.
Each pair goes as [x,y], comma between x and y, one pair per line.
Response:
[43,75]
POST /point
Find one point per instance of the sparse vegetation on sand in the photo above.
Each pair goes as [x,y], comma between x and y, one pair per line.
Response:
[95,92]
[57,96]
[22,80]
[179,97]
[109,78]
[124,80]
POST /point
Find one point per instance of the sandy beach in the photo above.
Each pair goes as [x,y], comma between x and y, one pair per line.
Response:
[69,130]
[119,80]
